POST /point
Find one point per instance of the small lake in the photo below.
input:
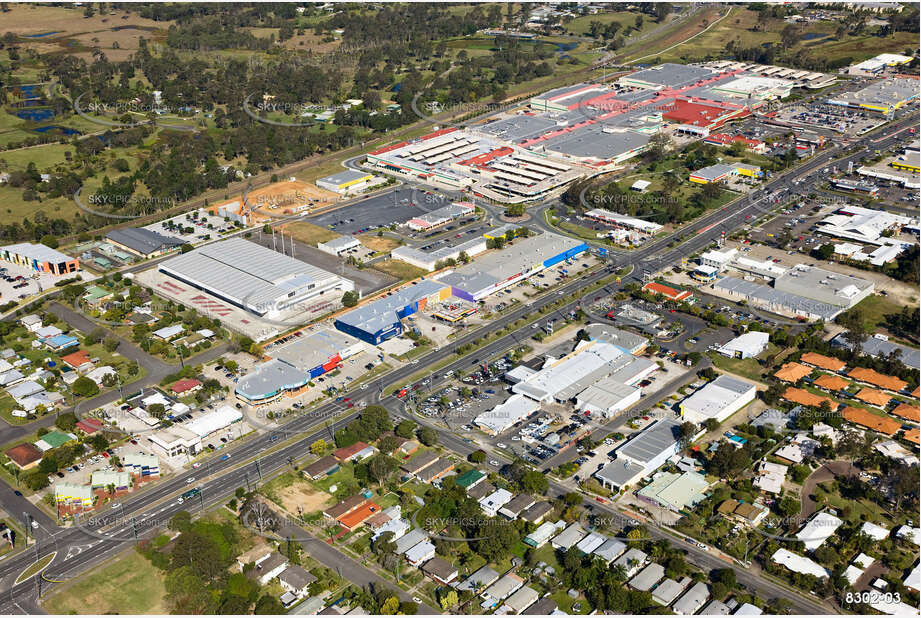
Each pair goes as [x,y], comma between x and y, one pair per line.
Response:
[43,34]
[36,115]
[811,36]
[62,130]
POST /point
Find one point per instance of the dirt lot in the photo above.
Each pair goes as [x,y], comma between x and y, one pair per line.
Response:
[285,197]
[378,244]
[303,497]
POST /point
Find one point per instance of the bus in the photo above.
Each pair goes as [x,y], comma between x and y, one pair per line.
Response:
[189,494]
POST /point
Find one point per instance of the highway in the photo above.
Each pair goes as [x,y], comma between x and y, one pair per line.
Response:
[79,548]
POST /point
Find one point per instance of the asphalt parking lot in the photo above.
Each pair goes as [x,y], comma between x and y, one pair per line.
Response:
[392,207]
[17,282]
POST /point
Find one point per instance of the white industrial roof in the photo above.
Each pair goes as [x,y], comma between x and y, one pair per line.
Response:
[747,344]
[551,380]
[503,416]
[716,396]
[213,421]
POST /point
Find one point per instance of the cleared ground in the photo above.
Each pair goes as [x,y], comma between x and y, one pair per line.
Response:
[308,233]
[128,585]
[379,244]
[400,270]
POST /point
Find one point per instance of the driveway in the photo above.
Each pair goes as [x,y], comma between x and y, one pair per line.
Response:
[828,472]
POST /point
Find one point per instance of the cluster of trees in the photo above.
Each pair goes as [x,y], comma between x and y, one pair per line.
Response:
[368,427]
[196,565]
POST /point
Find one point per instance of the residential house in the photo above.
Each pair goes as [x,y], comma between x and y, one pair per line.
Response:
[420,553]
[440,570]
[519,600]
[346,506]
[568,537]
[419,462]
[322,467]
[410,540]
[631,561]
[544,532]
[185,386]
[609,550]
[481,490]
[692,600]
[270,568]
[296,580]
[355,452]
[495,501]
[647,578]
[535,513]
[436,470]
[469,479]
[514,507]
[668,590]
[481,578]
[25,456]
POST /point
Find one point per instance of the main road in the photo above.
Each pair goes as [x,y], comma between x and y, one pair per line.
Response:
[81,547]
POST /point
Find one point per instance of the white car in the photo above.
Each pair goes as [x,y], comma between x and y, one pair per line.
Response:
[364,386]
[189,480]
[494,463]
[501,445]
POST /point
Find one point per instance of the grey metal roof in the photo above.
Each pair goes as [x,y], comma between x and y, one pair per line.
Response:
[246,273]
[593,141]
[605,393]
[410,540]
[382,313]
[777,299]
[270,377]
[518,128]
[667,591]
[652,441]
[143,240]
[482,577]
[619,337]
[619,473]
[712,172]
[822,285]
[648,577]
[519,256]
[311,349]
[672,75]
[37,252]
[610,549]
[341,242]
[910,357]
[692,600]
[344,176]
[569,537]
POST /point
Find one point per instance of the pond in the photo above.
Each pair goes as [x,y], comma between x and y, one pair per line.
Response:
[62,130]
[43,34]
[809,36]
[36,114]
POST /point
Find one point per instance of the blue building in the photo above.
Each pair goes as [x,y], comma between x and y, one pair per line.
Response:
[380,320]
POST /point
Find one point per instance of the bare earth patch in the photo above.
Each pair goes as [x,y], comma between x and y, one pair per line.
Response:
[304,495]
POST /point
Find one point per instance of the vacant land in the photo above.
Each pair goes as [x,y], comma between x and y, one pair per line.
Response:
[379,244]
[400,270]
[308,233]
[129,585]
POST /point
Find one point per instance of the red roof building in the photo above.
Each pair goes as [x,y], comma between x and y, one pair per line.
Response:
[89,426]
[700,114]
[348,452]
[79,360]
[668,292]
[185,386]
[24,455]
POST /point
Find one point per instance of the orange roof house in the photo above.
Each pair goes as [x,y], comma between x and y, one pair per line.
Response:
[831,383]
[913,435]
[24,455]
[668,292]
[916,393]
[877,379]
[792,372]
[881,424]
[185,386]
[873,397]
[805,398]
[823,362]
[353,519]
[908,412]
[78,360]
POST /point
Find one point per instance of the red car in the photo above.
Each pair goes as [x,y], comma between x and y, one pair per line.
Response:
[106,455]
[402,394]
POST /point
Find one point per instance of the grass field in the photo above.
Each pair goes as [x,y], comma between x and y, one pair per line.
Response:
[36,567]
[308,233]
[128,585]
[581,25]
[875,308]
[745,367]
[379,244]
[400,270]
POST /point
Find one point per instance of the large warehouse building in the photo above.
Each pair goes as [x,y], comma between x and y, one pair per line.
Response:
[824,285]
[255,278]
[520,260]
[380,320]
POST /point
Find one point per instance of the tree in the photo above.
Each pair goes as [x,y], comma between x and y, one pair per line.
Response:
[856,325]
[711,424]
[447,598]
[788,506]
[66,421]
[382,467]
[318,447]
[533,482]
[427,436]
[186,591]
[268,605]
[478,456]
[350,299]
[157,410]
[405,429]
[110,344]
[84,387]
[180,522]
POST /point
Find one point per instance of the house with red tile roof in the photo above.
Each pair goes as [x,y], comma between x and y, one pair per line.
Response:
[908,412]
[667,291]
[862,374]
[89,425]
[882,424]
[355,452]
[78,361]
[185,386]
[24,455]
[828,363]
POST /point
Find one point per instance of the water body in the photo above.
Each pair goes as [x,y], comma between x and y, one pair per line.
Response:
[43,34]
[562,48]
[62,130]
[809,36]
[42,114]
